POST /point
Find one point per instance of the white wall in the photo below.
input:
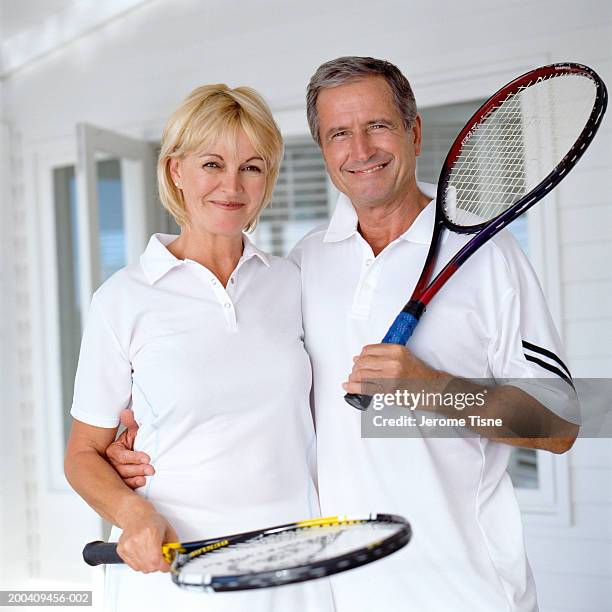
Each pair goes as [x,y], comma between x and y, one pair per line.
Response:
[130,73]
[18,485]
[5,313]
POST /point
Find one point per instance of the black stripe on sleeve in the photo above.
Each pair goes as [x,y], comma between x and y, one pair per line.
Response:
[547,353]
[552,369]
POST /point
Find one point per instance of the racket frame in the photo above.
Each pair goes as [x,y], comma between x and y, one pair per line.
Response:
[485,231]
[297,573]
[178,554]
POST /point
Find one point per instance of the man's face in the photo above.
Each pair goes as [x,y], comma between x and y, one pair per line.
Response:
[369,154]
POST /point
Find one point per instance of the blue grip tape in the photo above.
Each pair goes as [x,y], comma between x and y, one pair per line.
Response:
[402,329]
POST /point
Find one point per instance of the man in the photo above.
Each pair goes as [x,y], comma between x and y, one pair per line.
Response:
[491,321]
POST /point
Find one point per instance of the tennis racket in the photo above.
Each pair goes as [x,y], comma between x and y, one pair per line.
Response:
[285,554]
[516,147]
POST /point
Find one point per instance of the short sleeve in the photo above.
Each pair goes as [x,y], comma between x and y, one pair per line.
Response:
[103,383]
[295,255]
[528,352]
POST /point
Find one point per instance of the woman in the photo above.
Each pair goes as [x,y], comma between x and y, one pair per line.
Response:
[203,339]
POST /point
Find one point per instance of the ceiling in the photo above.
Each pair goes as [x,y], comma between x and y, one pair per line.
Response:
[29,29]
[19,15]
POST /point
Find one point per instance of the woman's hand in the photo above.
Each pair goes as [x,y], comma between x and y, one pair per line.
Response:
[94,479]
[141,541]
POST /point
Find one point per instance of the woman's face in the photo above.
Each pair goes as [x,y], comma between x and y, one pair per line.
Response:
[223,186]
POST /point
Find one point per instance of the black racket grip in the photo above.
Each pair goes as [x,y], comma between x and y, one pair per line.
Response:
[99,553]
[356,400]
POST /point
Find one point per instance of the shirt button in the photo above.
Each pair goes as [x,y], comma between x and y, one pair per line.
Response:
[232,280]
[369,262]
[213,281]
[227,305]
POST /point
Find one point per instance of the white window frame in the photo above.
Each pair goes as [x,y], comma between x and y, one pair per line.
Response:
[42,160]
[45,306]
[137,158]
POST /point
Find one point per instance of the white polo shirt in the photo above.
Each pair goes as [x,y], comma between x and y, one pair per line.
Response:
[489,321]
[219,383]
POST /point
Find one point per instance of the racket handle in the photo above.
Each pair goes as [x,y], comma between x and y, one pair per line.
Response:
[399,333]
[401,329]
[356,400]
[98,553]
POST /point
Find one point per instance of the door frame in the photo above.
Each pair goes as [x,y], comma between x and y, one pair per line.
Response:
[137,158]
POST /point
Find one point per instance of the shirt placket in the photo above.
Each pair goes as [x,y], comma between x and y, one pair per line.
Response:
[226,302]
[368,280]
[223,297]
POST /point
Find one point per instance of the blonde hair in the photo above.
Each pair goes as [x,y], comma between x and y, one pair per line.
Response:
[210,112]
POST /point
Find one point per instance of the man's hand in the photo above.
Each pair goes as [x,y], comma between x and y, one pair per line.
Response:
[131,465]
[383,368]
[378,364]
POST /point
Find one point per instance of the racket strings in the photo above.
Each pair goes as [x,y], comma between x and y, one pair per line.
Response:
[490,167]
[515,146]
[285,549]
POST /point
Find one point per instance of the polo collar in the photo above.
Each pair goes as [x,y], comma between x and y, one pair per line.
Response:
[343,223]
[250,250]
[157,260]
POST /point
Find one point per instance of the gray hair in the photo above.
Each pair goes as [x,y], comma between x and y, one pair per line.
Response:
[343,70]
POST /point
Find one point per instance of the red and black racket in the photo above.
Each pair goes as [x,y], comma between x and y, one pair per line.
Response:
[516,147]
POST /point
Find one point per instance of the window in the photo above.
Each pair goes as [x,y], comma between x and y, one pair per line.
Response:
[112,258]
[300,200]
[67,283]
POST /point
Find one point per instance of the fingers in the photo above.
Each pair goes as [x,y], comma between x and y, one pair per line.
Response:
[362,388]
[132,466]
[143,557]
[136,482]
[127,419]
[364,374]
[391,361]
[171,535]
[133,470]
[389,350]
[131,427]
[364,381]
[370,362]
[376,364]
[377,367]
[382,358]
[122,439]
[140,544]
[118,454]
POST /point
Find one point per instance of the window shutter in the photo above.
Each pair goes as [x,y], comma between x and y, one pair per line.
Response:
[300,200]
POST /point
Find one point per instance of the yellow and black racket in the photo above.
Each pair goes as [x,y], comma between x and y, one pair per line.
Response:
[285,554]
